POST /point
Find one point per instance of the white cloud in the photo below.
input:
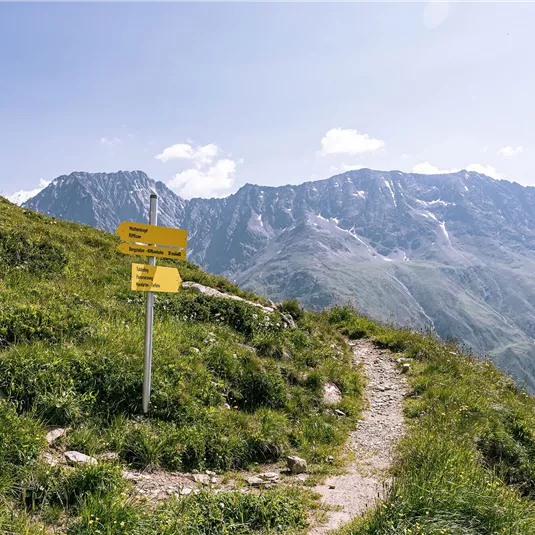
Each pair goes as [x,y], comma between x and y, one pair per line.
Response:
[425,168]
[206,154]
[201,155]
[348,141]
[22,196]
[510,152]
[180,150]
[212,182]
[343,167]
[435,13]
[110,142]
[484,170]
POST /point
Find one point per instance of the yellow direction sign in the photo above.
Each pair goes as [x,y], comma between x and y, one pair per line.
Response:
[142,233]
[147,278]
[151,250]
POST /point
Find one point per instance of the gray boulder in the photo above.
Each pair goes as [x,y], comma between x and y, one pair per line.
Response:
[75,457]
[54,435]
[296,465]
[331,394]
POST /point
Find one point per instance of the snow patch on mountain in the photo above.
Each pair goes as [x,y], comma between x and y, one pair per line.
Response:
[389,186]
[438,202]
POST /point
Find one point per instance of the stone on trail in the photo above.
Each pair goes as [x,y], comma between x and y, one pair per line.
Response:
[269,476]
[54,434]
[331,394]
[135,476]
[75,457]
[296,464]
[255,481]
[203,479]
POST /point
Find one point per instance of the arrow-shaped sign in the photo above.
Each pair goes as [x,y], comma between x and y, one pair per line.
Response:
[151,250]
[152,234]
[147,278]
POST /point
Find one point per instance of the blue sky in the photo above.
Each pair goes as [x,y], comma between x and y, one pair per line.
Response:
[264,93]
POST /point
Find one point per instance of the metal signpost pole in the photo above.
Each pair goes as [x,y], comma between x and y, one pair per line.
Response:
[153,218]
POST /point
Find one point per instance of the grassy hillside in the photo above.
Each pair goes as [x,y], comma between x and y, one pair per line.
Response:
[467,464]
[232,385]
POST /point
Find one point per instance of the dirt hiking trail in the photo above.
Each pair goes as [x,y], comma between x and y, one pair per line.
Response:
[373,442]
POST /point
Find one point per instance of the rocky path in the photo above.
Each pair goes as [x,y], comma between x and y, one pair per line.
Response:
[347,495]
[372,442]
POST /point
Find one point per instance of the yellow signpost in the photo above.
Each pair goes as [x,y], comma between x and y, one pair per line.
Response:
[152,234]
[135,249]
[152,241]
[147,278]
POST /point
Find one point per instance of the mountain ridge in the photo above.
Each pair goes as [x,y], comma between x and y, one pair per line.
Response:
[451,252]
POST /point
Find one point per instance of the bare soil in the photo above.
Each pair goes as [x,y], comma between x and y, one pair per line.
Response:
[373,442]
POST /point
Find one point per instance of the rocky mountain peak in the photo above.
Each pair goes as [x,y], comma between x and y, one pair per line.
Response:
[451,252]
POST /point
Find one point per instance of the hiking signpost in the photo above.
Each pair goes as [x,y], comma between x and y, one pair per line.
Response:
[135,249]
[139,232]
[150,240]
[155,279]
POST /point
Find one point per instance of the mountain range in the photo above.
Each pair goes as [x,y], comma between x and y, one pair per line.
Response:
[453,253]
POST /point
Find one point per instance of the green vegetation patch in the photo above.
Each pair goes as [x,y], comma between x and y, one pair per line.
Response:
[28,323]
[39,257]
[240,316]
[465,466]
[21,439]
[68,487]
[272,511]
